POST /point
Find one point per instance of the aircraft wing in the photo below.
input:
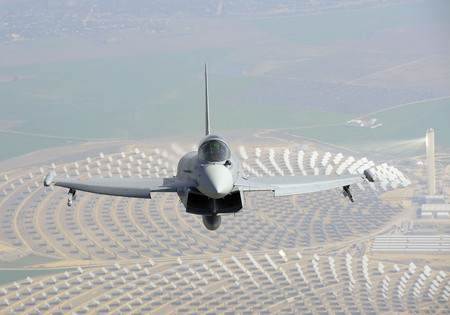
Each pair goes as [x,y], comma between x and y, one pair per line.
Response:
[125,187]
[295,185]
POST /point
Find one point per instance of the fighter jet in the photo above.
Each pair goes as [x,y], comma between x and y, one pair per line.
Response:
[209,182]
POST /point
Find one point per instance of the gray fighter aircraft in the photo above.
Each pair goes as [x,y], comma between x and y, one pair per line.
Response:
[209,182]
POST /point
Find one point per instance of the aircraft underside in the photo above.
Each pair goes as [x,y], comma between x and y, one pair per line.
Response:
[211,209]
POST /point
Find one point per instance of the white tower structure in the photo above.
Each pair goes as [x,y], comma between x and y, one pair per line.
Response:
[431,172]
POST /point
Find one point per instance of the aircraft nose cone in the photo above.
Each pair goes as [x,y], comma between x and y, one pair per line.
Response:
[215,181]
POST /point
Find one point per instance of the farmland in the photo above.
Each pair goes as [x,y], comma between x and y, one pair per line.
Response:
[307,74]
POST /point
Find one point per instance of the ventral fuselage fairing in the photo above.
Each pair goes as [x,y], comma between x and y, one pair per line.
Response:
[209,182]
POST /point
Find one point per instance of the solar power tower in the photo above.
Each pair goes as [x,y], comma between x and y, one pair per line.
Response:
[431,171]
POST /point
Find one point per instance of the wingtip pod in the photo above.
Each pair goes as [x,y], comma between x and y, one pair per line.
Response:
[49,179]
[369,176]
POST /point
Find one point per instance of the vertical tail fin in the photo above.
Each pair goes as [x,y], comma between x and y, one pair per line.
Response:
[207,131]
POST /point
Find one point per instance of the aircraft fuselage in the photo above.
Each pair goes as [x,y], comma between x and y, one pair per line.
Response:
[215,171]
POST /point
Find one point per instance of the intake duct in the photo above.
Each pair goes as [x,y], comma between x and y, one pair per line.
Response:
[198,203]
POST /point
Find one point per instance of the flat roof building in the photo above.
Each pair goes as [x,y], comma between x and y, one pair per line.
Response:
[439,211]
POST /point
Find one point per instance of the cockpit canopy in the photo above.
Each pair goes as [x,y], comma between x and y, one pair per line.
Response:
[214,149]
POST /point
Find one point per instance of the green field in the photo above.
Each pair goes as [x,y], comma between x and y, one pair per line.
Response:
[132,97]
[402,131]
[9,276]
[26,261]
[16,144]
[129,97]
[164,95]
[103,98]
[153,94]
[354,24]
